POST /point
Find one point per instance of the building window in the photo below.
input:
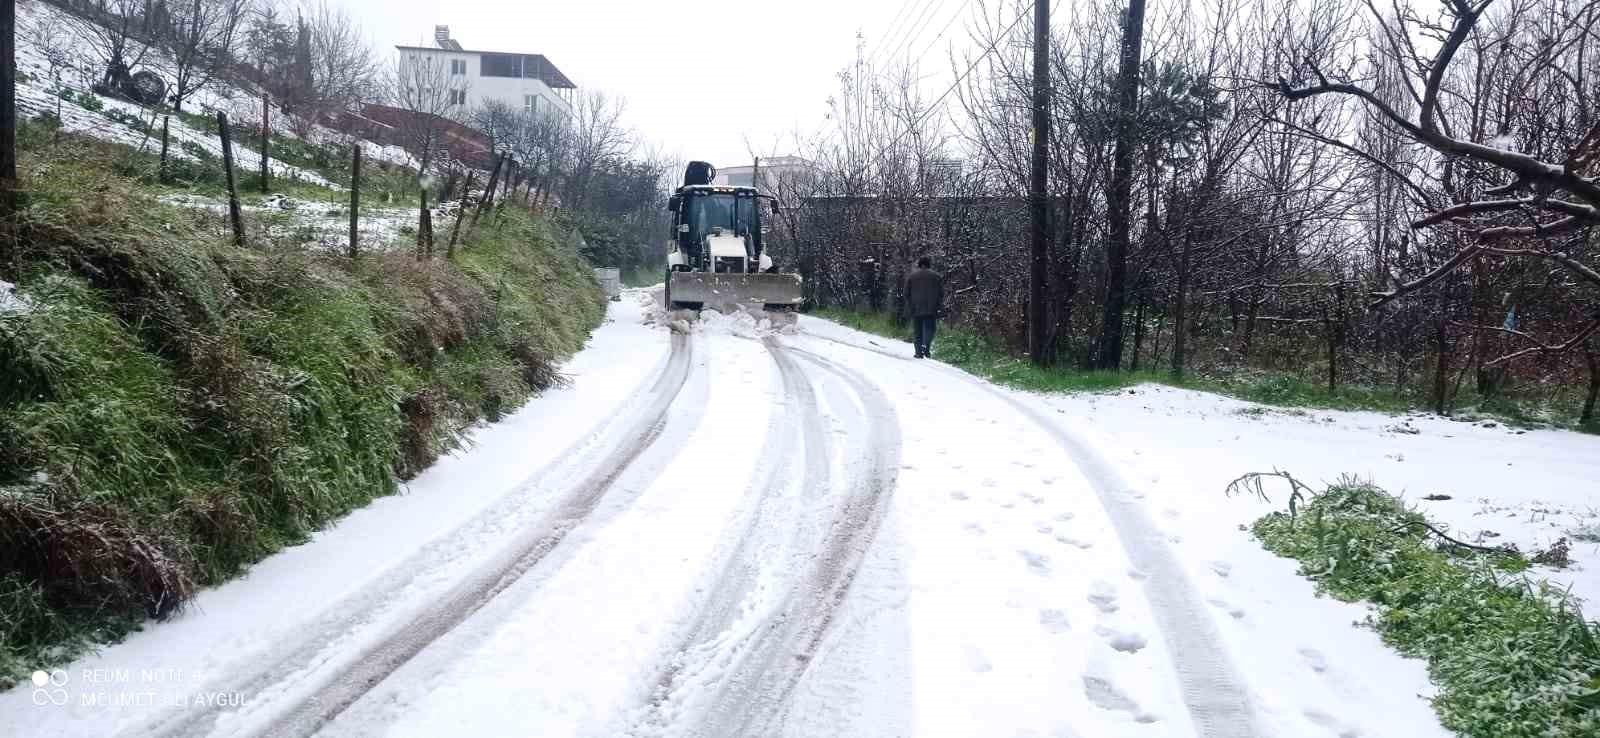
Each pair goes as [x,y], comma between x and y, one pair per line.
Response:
[458,66]
[458,97]
[530,103]
[502,65]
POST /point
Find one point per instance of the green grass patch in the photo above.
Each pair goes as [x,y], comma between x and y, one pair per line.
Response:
[986,358]
[174,408]
[1511,658]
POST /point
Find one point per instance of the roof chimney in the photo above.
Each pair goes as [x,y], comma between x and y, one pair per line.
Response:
[441,37]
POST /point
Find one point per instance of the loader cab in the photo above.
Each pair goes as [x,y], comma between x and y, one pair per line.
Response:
[703,215]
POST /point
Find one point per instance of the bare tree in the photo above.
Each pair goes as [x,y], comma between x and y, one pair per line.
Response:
[599,138]
[433,101]
[1547,197]
[341,65]
[201,39]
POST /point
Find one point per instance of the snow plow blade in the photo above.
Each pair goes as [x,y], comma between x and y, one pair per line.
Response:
[723,291]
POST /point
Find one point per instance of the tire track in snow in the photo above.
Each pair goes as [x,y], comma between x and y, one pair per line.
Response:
[341,687]
[1216,696]
[736,585]
[756,690]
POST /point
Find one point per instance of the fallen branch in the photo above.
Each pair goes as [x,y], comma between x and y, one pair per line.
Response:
[1442,535]
[1252,484]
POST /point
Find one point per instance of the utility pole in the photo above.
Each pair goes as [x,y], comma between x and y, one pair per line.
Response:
[1039,228]
[755,214]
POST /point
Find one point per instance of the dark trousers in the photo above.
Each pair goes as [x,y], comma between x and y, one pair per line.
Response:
[925,326]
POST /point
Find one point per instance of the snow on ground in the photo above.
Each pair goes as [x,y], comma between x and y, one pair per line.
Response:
[12,301]
[323,225]
[45,32]
[819,536]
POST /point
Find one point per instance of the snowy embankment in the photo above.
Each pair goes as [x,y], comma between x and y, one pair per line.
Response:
[733,528]
[46,33]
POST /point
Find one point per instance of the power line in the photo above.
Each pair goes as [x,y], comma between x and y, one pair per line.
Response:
[917,27]
[889,29]
[959,12]
[889,44]
[993,45]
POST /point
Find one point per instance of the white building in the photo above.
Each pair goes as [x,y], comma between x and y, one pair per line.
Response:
[774,169]
[527,81]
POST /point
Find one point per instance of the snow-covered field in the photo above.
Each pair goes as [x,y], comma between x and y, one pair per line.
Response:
[731,528]
[46,33]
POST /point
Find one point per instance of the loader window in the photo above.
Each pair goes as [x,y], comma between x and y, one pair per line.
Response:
[708,211]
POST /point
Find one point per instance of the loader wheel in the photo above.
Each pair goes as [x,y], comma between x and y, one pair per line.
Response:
[667,297]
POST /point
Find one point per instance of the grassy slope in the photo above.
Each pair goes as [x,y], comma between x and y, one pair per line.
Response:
[174,408]
[981,357]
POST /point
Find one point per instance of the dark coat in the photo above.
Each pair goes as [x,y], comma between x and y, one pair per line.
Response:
[924,293]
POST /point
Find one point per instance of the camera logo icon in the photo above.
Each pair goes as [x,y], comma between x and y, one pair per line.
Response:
[49,687]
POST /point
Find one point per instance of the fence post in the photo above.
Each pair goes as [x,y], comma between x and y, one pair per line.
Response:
[461,214]
[266,137]
[161,173]
[355,196]
[233,191]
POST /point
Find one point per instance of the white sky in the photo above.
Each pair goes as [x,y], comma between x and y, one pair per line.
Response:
[699,77]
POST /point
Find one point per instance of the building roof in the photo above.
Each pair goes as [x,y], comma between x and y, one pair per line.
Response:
[547,72]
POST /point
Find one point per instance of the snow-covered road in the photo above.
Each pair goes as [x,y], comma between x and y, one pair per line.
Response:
[739,531]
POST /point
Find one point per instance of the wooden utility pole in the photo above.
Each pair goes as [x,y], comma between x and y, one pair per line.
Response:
[755,210]
[233,190]
[1039,226]
[1120,200]
[355,198]
[8,122]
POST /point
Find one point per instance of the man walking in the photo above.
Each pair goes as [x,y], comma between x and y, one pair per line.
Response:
[924,299]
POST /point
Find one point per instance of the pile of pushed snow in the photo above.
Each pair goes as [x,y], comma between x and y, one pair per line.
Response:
[752,323]
[745,323]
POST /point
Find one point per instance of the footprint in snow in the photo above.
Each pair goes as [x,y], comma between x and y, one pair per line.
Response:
[1103,596]
[1137,575]
[1070,541]
[1172,514]
[1314,659]
[989,483]
[1035,499]
[958,495]
[1222,568]
[1043,528]
[976,661]
[1054,621]
[973,528]
[1237,613]
[1037,563]
[1064,517]
[1048,480]
[1102,693]
[1125,642]
[1332,724]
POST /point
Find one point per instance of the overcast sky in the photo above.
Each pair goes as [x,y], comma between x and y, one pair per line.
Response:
[699,77]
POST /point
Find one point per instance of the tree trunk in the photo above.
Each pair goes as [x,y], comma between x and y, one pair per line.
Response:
[1138,331]
[8,125]
[1180,306]
[1593,359]
[1119,201]
[488,192]
[1441,367]
[461,214]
